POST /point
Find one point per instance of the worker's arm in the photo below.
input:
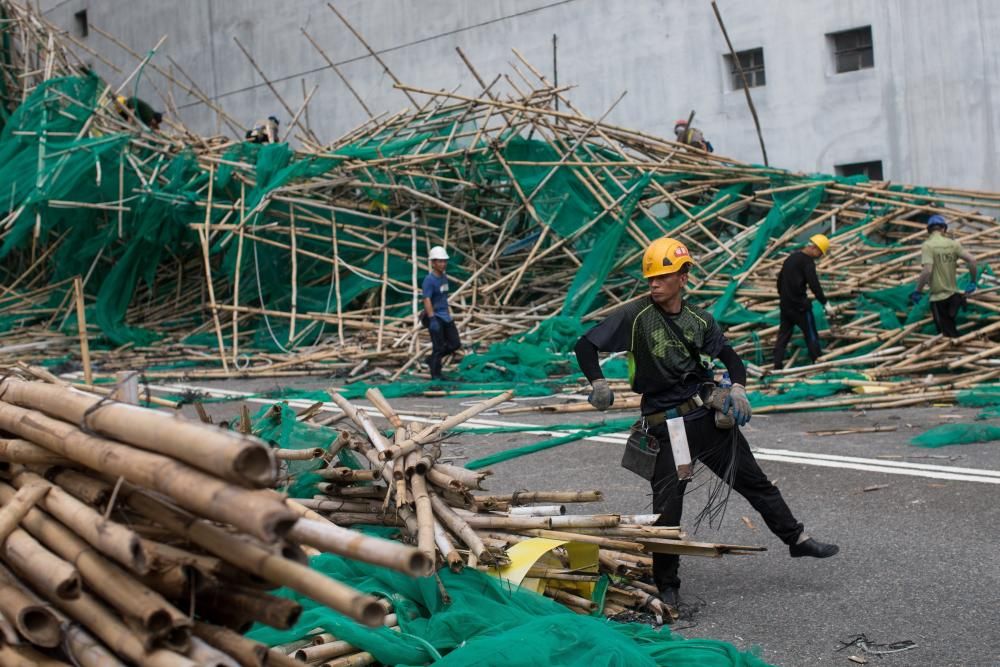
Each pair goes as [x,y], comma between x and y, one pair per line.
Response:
[924,277]
[587,359]
[735,366]
[970,262]
[428,308]
[813,281]
[611,335]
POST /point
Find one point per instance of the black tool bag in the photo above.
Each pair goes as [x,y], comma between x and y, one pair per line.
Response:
[640,453]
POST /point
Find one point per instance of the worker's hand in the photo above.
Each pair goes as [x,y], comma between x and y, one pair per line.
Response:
[601,396]
[829,309]
[740,404]
[970,289]
[434,324]
[915,298]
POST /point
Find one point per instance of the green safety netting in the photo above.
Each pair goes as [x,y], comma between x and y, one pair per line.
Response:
[49,157]
[957,434]
[487,623]
[277,425]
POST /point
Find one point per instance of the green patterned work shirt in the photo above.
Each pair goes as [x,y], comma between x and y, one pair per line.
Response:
[660,366]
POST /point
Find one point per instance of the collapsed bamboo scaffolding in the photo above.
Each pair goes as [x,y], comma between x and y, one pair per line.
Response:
[318,273]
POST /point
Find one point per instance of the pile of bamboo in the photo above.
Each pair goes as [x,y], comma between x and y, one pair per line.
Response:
[434,504]
[134,535]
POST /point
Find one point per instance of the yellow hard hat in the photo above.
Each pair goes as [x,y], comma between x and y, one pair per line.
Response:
[664,255]
[821,242]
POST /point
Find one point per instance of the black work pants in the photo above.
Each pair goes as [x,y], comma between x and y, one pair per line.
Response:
[804,320]
[726,453]
[444,340]
[946,313]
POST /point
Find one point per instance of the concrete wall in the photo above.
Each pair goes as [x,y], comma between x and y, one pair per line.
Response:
[928,109]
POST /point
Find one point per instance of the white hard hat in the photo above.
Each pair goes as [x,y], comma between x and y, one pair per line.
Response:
[437,252]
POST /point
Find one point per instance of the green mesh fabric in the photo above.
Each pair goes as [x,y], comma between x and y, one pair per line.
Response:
[957,434]
[49,156]
[489,623]
[277,425]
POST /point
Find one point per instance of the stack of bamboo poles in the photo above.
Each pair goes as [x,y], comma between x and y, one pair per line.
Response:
[322,273]
[407,485]
[132,535]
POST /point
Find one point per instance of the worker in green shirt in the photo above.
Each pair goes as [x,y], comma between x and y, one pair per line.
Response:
[939,258]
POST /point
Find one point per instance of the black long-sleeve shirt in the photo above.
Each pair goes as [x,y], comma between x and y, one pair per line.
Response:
[798,271]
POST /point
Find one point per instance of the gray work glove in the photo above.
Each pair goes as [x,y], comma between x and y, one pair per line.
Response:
[740,404]
[601,396]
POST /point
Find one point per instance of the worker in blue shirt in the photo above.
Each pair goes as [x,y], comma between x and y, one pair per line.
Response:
[436,316]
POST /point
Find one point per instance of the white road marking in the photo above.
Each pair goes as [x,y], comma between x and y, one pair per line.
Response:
[952,473]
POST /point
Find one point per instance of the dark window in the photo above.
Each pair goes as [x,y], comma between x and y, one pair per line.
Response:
[752,62]
[80,23]
[852,49]
[873,170]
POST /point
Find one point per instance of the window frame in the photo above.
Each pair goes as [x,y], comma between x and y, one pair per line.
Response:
[756,73]
[866,168]
[859,55]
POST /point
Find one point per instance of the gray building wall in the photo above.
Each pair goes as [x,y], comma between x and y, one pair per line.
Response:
[927,110]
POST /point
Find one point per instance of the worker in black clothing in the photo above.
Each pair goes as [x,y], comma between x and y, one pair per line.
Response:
[665,338]
[798,271]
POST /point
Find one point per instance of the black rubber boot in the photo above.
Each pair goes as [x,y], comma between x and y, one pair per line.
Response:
[813,549]
[670,597]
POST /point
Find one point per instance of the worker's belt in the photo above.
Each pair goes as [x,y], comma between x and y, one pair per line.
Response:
[684,408]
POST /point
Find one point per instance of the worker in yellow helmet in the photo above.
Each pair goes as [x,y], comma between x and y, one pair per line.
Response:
[140,109]
[797,272]
[685,417]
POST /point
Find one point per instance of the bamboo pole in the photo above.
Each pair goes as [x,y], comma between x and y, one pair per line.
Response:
[81,326]
[238,458]
[256,512]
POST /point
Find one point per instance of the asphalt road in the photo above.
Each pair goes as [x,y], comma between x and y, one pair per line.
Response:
[919,559]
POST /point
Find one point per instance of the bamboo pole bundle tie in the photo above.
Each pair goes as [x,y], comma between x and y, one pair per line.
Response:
[33,618]
[256,512]
[241,459]
[329,537]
